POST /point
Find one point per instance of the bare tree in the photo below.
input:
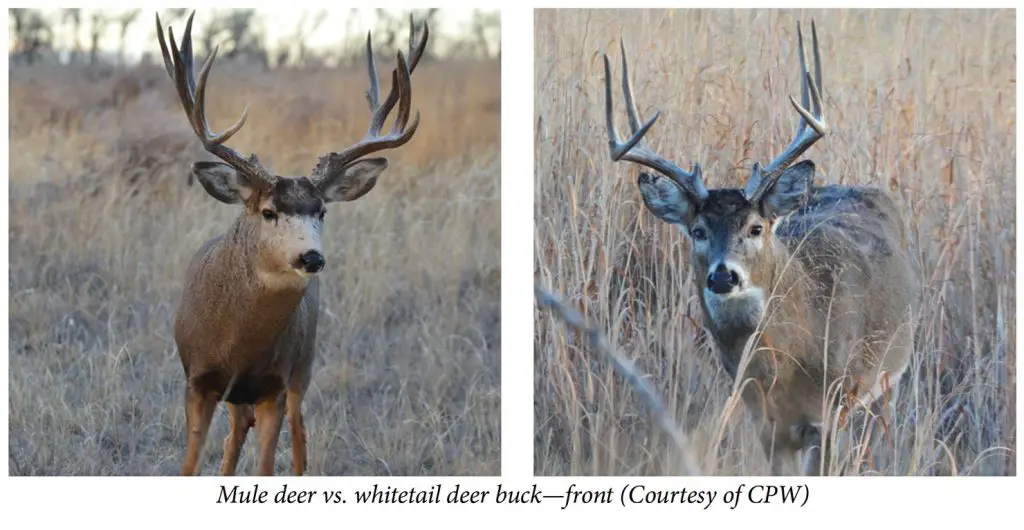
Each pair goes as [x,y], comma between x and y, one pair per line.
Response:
[353,43]
[485,27]
[391,23]
[237,35]
[307,26]
[32,34]
[126,20]
[73,17]
[175,14]
[98,25]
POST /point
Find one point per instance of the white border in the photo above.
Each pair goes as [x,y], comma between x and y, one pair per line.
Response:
[176,503]
[517,243]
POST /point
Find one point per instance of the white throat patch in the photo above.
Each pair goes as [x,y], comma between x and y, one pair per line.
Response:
[287,279]
[739,309]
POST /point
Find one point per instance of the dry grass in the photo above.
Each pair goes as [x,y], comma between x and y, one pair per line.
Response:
[922,103]
[103,226]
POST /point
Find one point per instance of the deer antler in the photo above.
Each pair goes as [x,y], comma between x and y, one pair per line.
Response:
[401,93]
[179,65]
[635,149]
[810,128]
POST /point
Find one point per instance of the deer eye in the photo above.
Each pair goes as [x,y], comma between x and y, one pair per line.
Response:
[699,234]
[756,230]
[269,215]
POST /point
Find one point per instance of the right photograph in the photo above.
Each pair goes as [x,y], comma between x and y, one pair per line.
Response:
[775,242]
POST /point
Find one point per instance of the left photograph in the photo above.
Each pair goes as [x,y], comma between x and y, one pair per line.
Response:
[254,242]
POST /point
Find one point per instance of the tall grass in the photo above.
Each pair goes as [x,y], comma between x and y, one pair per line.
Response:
[103,225]
[921,103]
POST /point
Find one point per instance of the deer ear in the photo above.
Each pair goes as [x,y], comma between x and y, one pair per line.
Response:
[789,192]
[666,200]
[222,182]
[352,181]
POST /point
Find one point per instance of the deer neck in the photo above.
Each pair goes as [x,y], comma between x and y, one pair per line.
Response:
[775,310]
[263,302]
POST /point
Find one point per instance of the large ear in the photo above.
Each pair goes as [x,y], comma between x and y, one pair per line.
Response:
[352,181]
[222,182]
[666,200]
[789,192]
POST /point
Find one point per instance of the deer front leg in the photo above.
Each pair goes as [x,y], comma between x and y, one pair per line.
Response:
[781,449]
[199,409]
[269,416]
[813,445]
[242,419]
[298,429]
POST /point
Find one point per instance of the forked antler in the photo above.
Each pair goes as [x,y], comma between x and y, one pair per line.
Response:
[401,93]
[635,149]
[810,129]
[179,65]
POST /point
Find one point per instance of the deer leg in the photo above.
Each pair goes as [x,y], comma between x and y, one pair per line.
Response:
[242,419]
[199,409]
[813,447]
[783,447]
[298,429]
[269,416]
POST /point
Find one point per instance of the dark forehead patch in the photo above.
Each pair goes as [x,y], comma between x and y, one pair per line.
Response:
[296,196]
[724,202]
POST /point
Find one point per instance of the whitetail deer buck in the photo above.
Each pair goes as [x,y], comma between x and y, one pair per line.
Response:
[813,280]
[246,327]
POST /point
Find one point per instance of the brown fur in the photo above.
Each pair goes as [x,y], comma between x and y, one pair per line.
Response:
[834,269]
[246,343]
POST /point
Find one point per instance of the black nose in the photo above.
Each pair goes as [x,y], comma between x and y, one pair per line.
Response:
[312,261]
[723,280]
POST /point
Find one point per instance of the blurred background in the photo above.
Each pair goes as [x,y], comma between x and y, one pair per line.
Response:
[920,102]
[279,37]
[104,221]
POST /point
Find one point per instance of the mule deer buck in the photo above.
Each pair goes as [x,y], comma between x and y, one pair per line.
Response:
[806,290]
[246,326]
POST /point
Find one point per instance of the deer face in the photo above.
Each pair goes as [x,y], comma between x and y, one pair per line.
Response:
[287,217]
[727,235]
[733,243]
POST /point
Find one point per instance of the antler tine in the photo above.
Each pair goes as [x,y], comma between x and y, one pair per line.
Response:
[635,149]
[401,93]
[817,63]
[415,53]
[632,113]
[179,64]
[372,93]
[404,95]
[416,50]
[805,96]
[810,128]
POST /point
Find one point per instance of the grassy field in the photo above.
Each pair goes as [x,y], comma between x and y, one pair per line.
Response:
[921,103]
[103,225]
